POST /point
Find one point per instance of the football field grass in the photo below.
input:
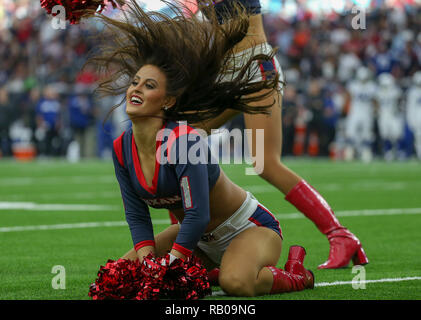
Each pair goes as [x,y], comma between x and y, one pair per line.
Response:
[54,213]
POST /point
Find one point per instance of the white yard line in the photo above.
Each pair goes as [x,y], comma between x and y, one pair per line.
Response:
[367,185]
[65,226]
[81,225]
[340,283]
[85,207]
[27,181]
[32,206]
[59,194]
[356,213]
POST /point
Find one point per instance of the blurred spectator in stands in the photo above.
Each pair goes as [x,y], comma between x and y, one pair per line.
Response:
[408,61]
[107,124]
[87,76]
[48,123]
[289,113]
[315,104]
[82,120]
[413,111]
[300,39]
[360,118]
[348,63]
[6,118]
[383,61]
[29,106]
[417,48]
[390,118]
[332,109]
[357,43]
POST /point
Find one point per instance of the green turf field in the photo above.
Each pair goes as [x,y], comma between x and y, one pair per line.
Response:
[71,215]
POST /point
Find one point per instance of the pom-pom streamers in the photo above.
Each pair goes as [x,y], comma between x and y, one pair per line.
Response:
[154,279]
[187,280]
[117,280]
[76,9]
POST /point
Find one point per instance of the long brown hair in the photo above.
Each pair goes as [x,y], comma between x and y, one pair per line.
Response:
[194,55]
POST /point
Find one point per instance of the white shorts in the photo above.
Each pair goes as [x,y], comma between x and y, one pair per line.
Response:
[250,214]
[259,69]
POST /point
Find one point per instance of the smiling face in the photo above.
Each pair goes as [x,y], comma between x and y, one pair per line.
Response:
[147,93]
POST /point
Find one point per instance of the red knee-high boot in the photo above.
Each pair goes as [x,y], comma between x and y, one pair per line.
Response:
[213,277]
[295,264]
[344,246]
[284,281]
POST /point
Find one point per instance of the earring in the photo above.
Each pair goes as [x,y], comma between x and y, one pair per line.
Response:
[165,108]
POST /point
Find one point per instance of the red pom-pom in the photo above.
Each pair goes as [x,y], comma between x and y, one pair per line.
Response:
[186,280]
[152,280]
[75,9]
[117,280]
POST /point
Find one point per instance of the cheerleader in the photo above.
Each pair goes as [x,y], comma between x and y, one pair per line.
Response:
[171,68]
[344,246]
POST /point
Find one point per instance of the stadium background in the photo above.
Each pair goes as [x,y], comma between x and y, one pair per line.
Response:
[47,102]
[61,157]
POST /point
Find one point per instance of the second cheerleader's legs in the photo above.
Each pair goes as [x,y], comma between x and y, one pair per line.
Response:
[344,246]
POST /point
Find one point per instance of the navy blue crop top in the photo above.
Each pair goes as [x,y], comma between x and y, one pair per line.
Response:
[185,172]
[224,6]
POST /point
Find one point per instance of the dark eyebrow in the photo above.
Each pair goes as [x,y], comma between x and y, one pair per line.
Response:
[149,79]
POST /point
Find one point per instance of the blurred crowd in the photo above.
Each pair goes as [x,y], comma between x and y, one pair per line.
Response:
[351,82]
[341,85]
[47,99]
